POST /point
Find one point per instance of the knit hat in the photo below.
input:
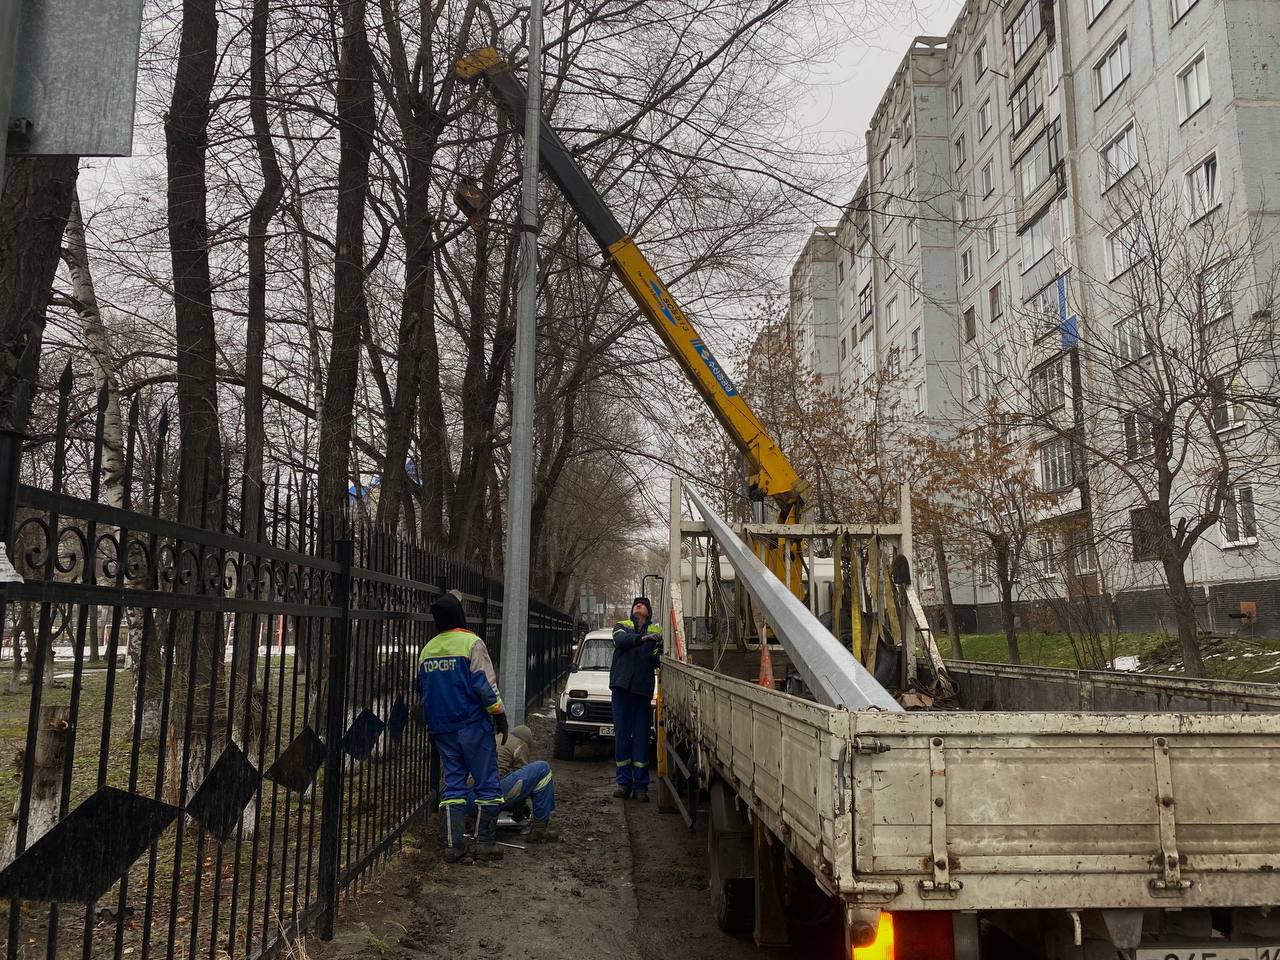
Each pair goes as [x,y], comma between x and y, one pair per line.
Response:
[448,612]
[523,733]
[647,606]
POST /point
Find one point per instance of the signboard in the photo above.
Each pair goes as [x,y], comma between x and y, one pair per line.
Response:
[75,76]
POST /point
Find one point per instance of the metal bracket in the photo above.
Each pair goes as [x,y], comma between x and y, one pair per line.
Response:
[1170,881]
[941,883]
[931,890]
[866,746]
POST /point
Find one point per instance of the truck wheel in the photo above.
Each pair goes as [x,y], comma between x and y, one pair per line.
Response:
[730,864]
[565,744]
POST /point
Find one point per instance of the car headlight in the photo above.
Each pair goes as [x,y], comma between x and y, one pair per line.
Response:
[576,710]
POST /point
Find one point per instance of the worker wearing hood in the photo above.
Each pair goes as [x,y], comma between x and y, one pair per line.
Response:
[462,708]
[637,648]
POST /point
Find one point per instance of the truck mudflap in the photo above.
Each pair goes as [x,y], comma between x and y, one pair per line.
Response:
[998,811]
[966,811]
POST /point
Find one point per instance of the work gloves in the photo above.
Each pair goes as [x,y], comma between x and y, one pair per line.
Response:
[500,726]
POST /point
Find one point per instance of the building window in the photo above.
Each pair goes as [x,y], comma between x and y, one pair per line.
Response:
[1216,290]
[915,344]
[1112,70]
[1226,414]
[886,163]
[919,398]
[991,237]
[1204,190]
[909,183]
[1180,8]
[970,324]
[1119,156]
[988,179]
[1026,28]
[1048,390]
[1053,67]
[1239,525]
[1095,8]
[1193,86]
[966,265]
[1002,364]
[891,313]
[995,303]
[913,288]
[980,61]
[1144,530]
[913,234]
[962,207]
[1044,311]
[866,356]
[865,303]
[844,348]
[975,383]
[1034,168]
[1037,241]
[1056,468]
[1120,253]
[1132,342]
[1026,102]
[957,96]
[961,155]
[984,118]
[1139,442]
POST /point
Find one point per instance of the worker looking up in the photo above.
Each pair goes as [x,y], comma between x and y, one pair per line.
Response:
[459,697]
[637,647]
[527,781]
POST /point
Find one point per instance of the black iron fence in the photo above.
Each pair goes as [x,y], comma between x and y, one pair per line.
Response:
[216,734]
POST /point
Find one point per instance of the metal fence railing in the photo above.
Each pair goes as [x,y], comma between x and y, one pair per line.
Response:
[217,734]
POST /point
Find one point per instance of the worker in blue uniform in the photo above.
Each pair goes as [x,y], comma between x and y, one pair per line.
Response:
[526,783]
[463,709]
[637,649]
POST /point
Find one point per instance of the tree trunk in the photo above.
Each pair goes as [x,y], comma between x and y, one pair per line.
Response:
[948,603]
[197,643]
[1005,577]
[34,206]
[350,308]
[46,781]
[1184,611]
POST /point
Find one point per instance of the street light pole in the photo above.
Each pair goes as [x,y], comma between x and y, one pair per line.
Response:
[515,602]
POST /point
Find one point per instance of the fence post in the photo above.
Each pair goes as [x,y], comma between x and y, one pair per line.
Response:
[331,798]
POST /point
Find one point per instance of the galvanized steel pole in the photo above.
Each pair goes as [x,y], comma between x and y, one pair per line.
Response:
[515,604]
[10,20]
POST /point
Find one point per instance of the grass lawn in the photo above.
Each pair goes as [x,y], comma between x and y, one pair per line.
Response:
[1235,658]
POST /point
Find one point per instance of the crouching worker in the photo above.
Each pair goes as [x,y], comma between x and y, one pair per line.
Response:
[527,780]
[462,708]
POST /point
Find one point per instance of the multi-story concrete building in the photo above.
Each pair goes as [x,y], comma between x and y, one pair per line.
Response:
[813,317]
[993,163]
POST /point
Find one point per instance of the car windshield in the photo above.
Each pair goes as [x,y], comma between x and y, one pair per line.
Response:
[596,655]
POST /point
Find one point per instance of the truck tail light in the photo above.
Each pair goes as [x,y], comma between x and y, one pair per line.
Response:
[910,936]
[882,948]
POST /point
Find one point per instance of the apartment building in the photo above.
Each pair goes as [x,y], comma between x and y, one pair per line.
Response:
[813,317]
[992,160]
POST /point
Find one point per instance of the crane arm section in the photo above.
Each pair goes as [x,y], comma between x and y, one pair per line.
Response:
[772,474]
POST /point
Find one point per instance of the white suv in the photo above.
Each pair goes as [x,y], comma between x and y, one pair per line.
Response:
[585,710]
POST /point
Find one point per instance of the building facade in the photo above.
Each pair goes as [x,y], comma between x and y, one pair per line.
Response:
[980,261]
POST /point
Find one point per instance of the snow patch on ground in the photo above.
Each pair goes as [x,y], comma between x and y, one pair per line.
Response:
[1126,663]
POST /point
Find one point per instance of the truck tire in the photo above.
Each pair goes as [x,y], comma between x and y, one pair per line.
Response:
[565,744]
[730,864]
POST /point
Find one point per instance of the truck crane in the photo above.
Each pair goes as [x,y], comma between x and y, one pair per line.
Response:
[770,473]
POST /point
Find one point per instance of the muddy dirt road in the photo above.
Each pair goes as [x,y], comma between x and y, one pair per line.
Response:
[624,883]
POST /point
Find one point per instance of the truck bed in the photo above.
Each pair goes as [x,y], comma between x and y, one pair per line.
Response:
[997,811]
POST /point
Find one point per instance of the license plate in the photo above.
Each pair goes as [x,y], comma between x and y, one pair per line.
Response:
[1224,951]
[608,732]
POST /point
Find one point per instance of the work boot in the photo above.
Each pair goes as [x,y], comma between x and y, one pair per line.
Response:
[453,828]
[542,832]
[486,832]
[641,795]
[488,852]
[621,793]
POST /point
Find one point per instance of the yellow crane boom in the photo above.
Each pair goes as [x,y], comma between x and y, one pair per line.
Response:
[770,472]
